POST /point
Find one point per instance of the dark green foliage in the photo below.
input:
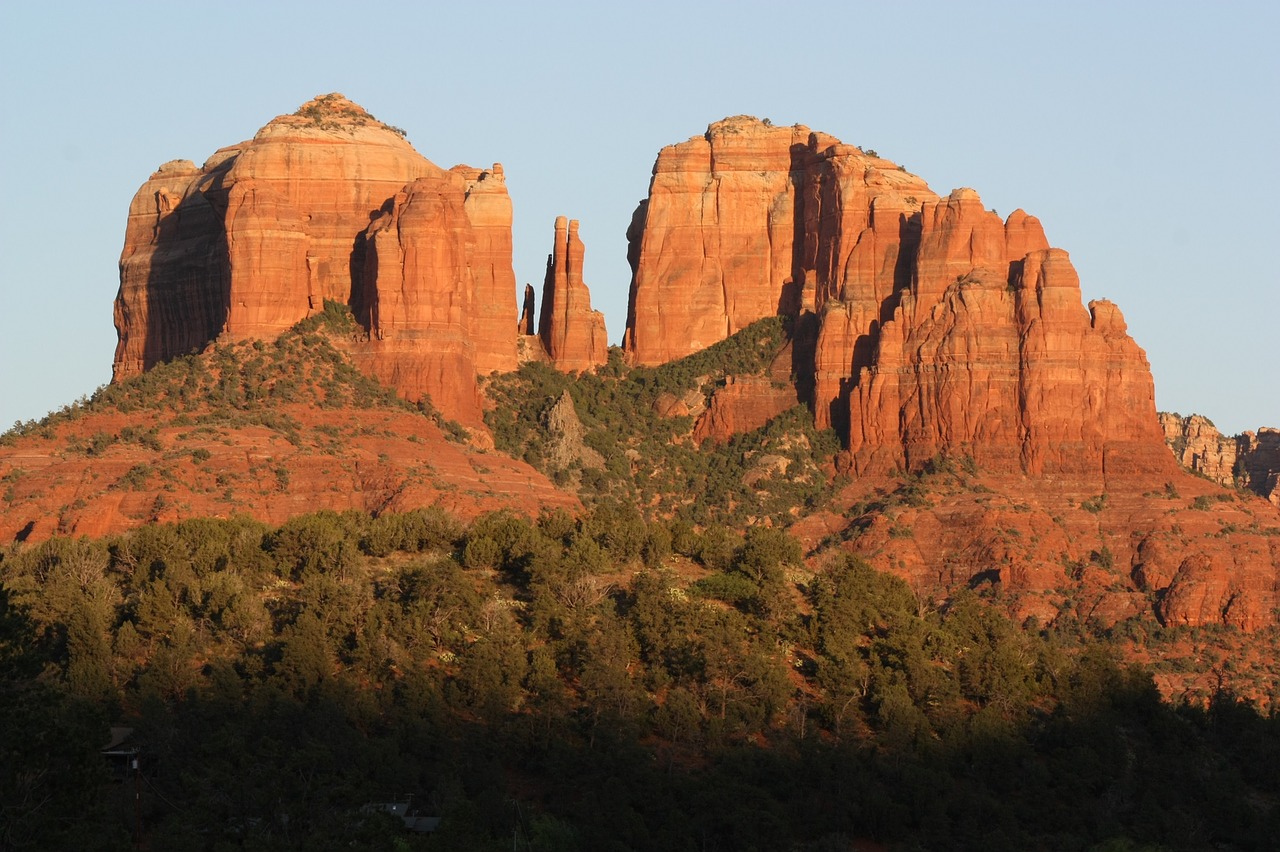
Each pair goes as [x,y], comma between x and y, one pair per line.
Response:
[536,683]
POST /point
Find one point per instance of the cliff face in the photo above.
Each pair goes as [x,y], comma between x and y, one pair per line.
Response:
[1250,460]
[925,326]
[734,223]
[267,230]
[418,283]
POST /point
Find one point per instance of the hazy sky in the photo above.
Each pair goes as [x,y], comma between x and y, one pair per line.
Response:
[1144,135]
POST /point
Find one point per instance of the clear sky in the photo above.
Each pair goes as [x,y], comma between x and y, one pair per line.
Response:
[1144,135]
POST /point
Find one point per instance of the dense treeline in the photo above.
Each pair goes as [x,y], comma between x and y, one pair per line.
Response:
[588,683]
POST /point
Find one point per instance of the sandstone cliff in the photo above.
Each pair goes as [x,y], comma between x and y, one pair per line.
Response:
[1250,460]
[267,230]
[734,226]
[925,326]
[571,332]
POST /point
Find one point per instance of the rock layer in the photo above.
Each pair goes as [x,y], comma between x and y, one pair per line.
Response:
[572,334]
[267,230]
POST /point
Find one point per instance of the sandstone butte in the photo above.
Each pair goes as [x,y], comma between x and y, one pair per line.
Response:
[326,203]
[925,328]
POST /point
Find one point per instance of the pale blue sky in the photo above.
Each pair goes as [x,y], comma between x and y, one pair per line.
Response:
[1144,135]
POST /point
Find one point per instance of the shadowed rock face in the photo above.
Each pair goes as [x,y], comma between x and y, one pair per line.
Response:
[925,326]
[267,230]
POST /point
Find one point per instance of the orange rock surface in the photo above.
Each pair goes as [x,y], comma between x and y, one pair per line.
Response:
[572,334]
[419,285]
[745,220]
[715,247]
[267,230]
[1013,372]
[925,326]
[743,403]
[374,461]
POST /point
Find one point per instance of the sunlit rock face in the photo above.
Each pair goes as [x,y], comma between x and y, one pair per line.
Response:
[267,230]
[924,326]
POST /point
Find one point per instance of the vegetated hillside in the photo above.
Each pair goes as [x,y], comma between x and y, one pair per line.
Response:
[627,449]
[269,429]
[590,683]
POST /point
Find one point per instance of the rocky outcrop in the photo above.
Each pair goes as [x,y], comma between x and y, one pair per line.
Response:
[1260,462]
[1199,446]
[925,326]
[741,404]
[1013,373]
[739,219]
[1250,460]
[572,334]
[566,433]
[267,230]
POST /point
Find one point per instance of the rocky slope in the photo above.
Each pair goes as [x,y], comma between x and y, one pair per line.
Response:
[268,430]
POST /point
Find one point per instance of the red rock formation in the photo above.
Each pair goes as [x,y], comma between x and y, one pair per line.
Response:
[1199,446]
[419,285]
[1250,460]
[1260,462]
[939,328]
[1018,376]
[572,334]
[488,209]
[745,220]
[269,229]
[716,243]
[743,403]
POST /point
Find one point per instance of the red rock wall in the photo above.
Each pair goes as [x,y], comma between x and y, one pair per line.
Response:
[1018,376]
[488,209]
[174,276]
[939,328]
[419,286]
[744,403]
[715,248]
